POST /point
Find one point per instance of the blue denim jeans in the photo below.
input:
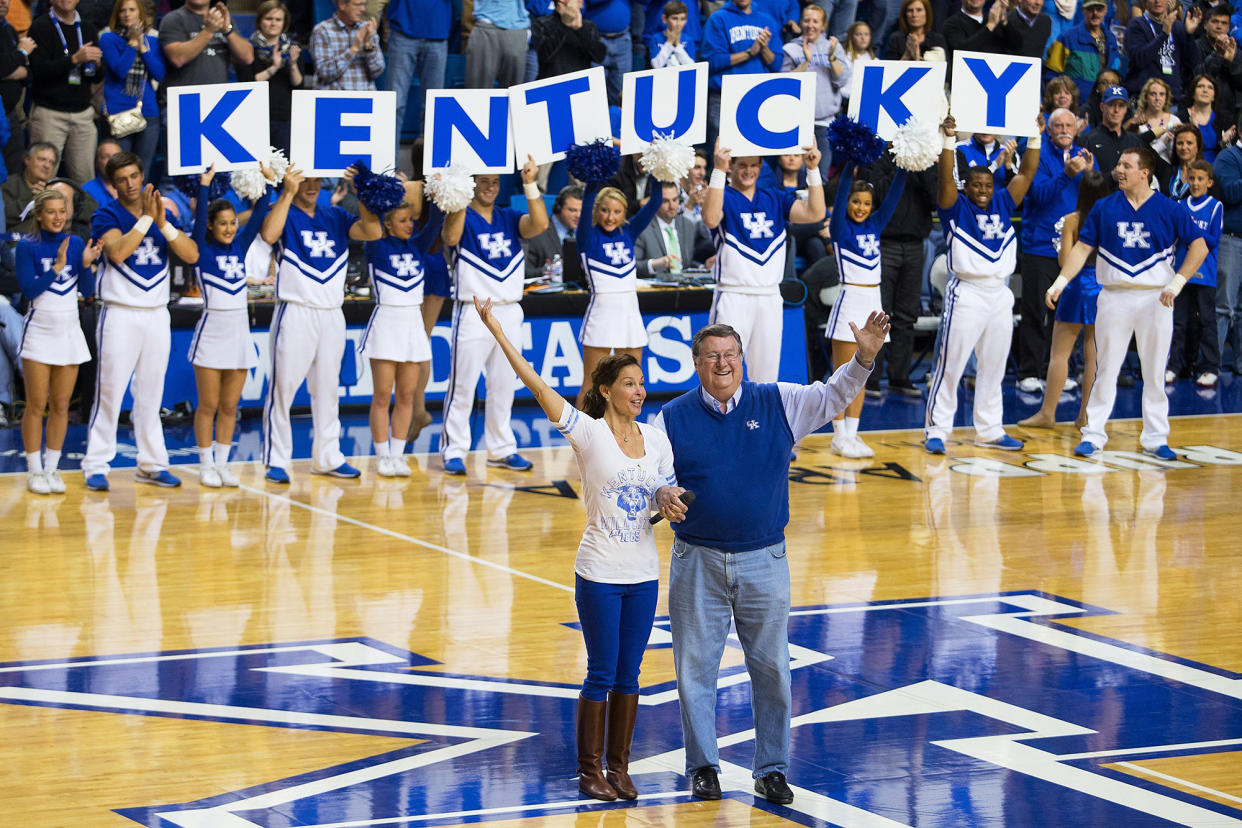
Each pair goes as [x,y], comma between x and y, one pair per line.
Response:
[1229,298]
[616,624]
[840,15]
[407,55]
[706,589]
[618,60]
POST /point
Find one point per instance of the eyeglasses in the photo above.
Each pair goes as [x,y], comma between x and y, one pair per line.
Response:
[716,356]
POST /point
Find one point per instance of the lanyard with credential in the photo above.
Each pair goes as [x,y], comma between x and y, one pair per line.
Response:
[77,24]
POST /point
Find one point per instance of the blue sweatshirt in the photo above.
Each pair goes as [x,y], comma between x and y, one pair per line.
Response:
[654,22]
[426,19]
[1052,194]
[609,16]
[1228,169]
[1207,214]
[729,31]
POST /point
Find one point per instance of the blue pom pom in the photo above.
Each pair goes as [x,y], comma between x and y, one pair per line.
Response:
[851,140]
[377,192]
[596,161]
[188,185]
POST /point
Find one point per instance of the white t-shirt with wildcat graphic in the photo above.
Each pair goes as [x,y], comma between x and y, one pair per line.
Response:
[618,544]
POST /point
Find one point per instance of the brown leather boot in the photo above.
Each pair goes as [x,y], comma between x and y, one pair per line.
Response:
[622,709]
[591,781]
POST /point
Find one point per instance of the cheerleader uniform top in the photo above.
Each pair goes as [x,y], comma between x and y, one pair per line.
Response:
[488,260]
[141,281]
[221,268]
[314,255]
[398,267]
[982,242]
[1136,247]
[44,288]
[608,256]
[750,239]
[856,245]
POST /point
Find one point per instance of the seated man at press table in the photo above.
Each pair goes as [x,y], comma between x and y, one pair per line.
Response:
[672,242]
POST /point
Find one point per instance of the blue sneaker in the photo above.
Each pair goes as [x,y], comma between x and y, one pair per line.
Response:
[514,462]
[455,466]
[161,478]
[343,471]
[97,482]
[275,474]
[934,445]
[1161,453]
[1004,443]
[1085,449]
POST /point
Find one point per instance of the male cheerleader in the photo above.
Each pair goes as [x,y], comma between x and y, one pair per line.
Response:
[132,334]
[308,328]
[748,228]
[1136,232]
[978,306]
[484,250]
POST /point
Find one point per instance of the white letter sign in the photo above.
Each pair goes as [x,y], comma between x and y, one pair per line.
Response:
[767,114]
[670,102]
[884,94]
[225,124]
[469,128]
[331,130]
[995,93]
[550,116]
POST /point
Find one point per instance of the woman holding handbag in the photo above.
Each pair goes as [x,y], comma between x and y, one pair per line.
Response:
[133,66]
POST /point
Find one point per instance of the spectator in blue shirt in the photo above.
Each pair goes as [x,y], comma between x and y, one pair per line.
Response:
[612,18]
[654,23]
[418,33]
[496,50]
[736,41]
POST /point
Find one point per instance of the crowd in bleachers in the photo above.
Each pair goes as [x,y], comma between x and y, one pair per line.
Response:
[83,84]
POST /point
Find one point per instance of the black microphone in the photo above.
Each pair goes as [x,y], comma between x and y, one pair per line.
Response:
[685,497]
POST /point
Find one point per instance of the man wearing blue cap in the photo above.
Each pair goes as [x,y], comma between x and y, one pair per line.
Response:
[1107,141]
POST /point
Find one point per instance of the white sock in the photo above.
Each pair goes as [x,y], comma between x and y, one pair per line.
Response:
[396,446]
[34,463]
[204,457]
[851,426]
[222,453]
[381,448]
[51,459]
[838,427]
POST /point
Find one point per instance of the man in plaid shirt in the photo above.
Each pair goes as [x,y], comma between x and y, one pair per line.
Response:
[346,50]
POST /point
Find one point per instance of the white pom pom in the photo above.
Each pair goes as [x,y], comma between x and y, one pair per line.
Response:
[450,188]
[668,160]
[250,183]
[915,146]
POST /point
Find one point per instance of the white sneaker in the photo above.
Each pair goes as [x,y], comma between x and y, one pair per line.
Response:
[37,483]
[840,445]
[1030,385]
[209,476]
[1071,384]
[54,483]
[227,477]
[1169,377]
[1207,380]
[862,449]
[383,467]
[400,467]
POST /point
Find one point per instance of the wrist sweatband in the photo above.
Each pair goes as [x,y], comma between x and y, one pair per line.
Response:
[814,179]
[1059,284]
[169,231]
[1175,286]
[531,190]
[950,142]
[717,181]
[1034,142]
[143,224]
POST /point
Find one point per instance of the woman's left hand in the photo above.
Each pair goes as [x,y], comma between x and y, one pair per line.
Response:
[206,177]
[91,253]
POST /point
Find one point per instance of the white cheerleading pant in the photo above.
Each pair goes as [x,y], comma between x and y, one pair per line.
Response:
[1120,313]
[132,346]
[758,319]
[978,317]
[475,352]
[307,344]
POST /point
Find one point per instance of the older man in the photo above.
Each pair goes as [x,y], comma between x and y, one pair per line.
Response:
[346,49]
[1108,140]
[38,167]
[1053,193]
[729,550]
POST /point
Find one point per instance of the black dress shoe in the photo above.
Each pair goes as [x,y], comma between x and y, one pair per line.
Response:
[706,785]
[905,390]
[772,787]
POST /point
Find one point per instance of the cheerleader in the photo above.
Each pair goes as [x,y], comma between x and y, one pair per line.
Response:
[855,230]
[395,340]
[606,248]
[222,351]
[1075,312]
[52,268]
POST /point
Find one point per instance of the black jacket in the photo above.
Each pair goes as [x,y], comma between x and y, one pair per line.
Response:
[912,220]
[562,49]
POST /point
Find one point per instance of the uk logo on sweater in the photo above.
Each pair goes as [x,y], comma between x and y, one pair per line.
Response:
[231,268]
[990,227]
[317,244]
[405,264]
[758,225]
[1132,234]
[869,245]
[752,424]
[497,245]
[147,253]
[618,252]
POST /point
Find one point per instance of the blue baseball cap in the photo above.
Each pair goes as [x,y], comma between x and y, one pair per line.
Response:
[1115,93]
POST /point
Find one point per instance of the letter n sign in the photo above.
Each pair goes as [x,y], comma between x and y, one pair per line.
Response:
[225,124]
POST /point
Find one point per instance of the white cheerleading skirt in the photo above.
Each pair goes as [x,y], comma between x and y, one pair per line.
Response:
[222,341]
[854,304]
[613,320]
[54,338]
[396,334]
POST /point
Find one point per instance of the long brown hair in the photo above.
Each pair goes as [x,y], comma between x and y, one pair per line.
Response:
[605,373]
[144,13]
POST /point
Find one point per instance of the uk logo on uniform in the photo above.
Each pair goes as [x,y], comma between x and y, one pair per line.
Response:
[497,245]
[618,252]
[147,253]
[231,267]
[1132,234]
[752,424]
[317,244]
[405,264]
[869,245]
[63,273]
[758,225]
[990,226]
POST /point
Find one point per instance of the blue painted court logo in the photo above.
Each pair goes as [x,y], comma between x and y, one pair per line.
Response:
[973,711]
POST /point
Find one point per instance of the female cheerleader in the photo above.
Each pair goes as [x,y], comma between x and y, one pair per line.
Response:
[222,350]
[622,462]
[606,248]
[1075,312]
[396,341]
[52,268]
[855,231]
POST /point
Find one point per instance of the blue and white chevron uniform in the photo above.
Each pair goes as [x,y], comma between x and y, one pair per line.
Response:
[488,261]
[141,281]
[982,242]
[314,254]
[51,331]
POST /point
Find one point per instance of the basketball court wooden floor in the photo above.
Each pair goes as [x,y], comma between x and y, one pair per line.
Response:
[985,639]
